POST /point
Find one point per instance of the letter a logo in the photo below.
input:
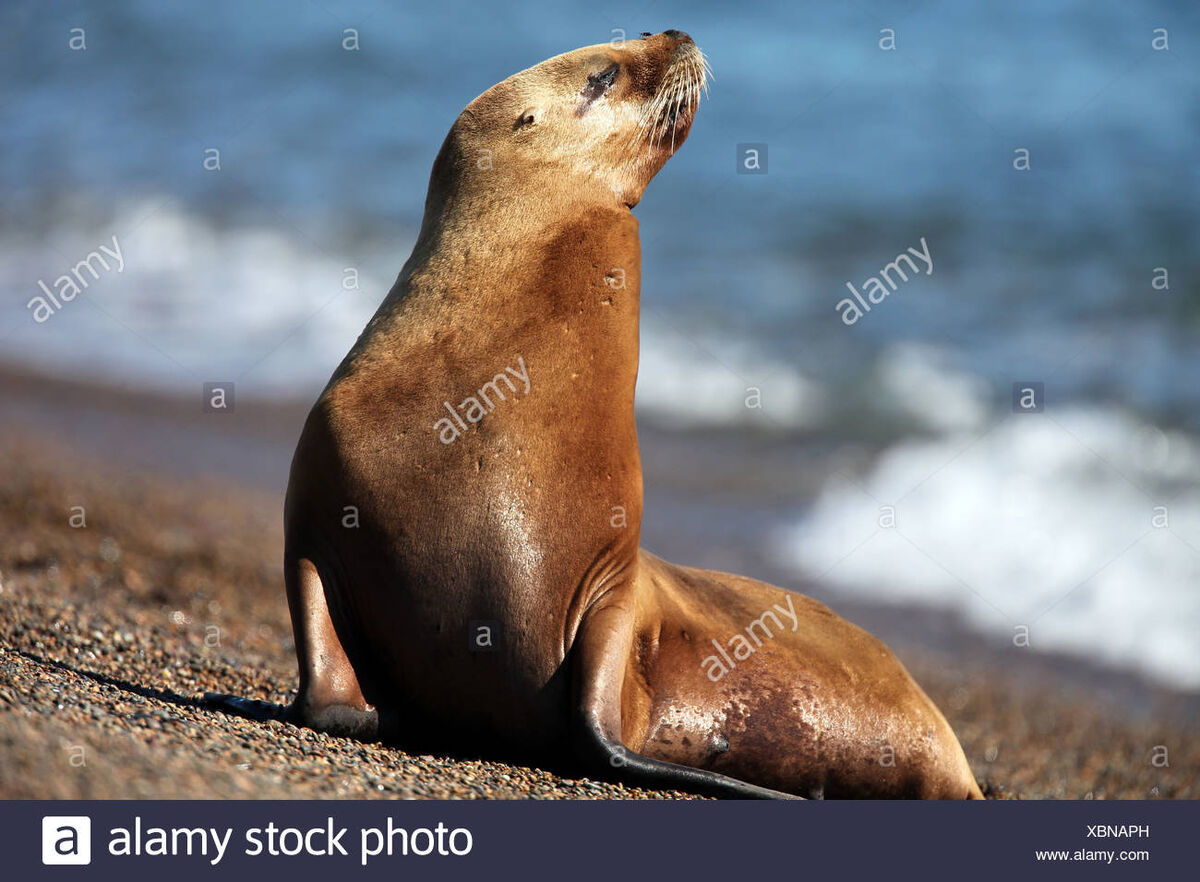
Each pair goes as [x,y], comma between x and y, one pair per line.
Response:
[66,840]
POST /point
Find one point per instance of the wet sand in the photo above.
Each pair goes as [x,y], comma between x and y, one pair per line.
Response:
[111,632]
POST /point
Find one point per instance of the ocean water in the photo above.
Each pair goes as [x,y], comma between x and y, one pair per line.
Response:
[1048,275]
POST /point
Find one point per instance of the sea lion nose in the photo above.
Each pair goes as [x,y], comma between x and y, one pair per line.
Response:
[677,36]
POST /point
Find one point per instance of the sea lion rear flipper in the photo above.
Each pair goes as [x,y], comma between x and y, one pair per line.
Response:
[599,658]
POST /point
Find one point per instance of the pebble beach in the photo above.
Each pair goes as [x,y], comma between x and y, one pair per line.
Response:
[128,591]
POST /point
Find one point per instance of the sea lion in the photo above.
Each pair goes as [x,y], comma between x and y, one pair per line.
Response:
[463,515]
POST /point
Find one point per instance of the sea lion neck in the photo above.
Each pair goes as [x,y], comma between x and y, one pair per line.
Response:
[487,196]
[485,242]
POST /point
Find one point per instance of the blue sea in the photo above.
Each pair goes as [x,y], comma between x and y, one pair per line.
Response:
[1046,153]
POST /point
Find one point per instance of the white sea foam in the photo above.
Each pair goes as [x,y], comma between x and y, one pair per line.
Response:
[1045,521]
[713,380]
[917,382]
[194,303]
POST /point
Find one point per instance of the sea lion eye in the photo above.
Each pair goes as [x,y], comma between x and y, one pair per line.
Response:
[599,83]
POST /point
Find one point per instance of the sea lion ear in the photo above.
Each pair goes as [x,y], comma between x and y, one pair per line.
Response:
[528,117]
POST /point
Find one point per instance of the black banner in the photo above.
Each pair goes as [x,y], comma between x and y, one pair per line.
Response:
[598,840]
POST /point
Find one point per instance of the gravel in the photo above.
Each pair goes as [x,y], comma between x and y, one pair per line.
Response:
[111,632]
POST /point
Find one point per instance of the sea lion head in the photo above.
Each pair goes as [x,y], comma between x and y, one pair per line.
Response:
[597,122]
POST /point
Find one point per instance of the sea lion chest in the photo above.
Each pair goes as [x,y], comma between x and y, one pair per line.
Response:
[475,461]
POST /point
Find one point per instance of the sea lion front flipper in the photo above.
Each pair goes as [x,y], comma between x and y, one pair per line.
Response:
[599,658]
[329,698]
[249,708]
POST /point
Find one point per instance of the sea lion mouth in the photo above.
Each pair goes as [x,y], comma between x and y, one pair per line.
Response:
[668,115]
